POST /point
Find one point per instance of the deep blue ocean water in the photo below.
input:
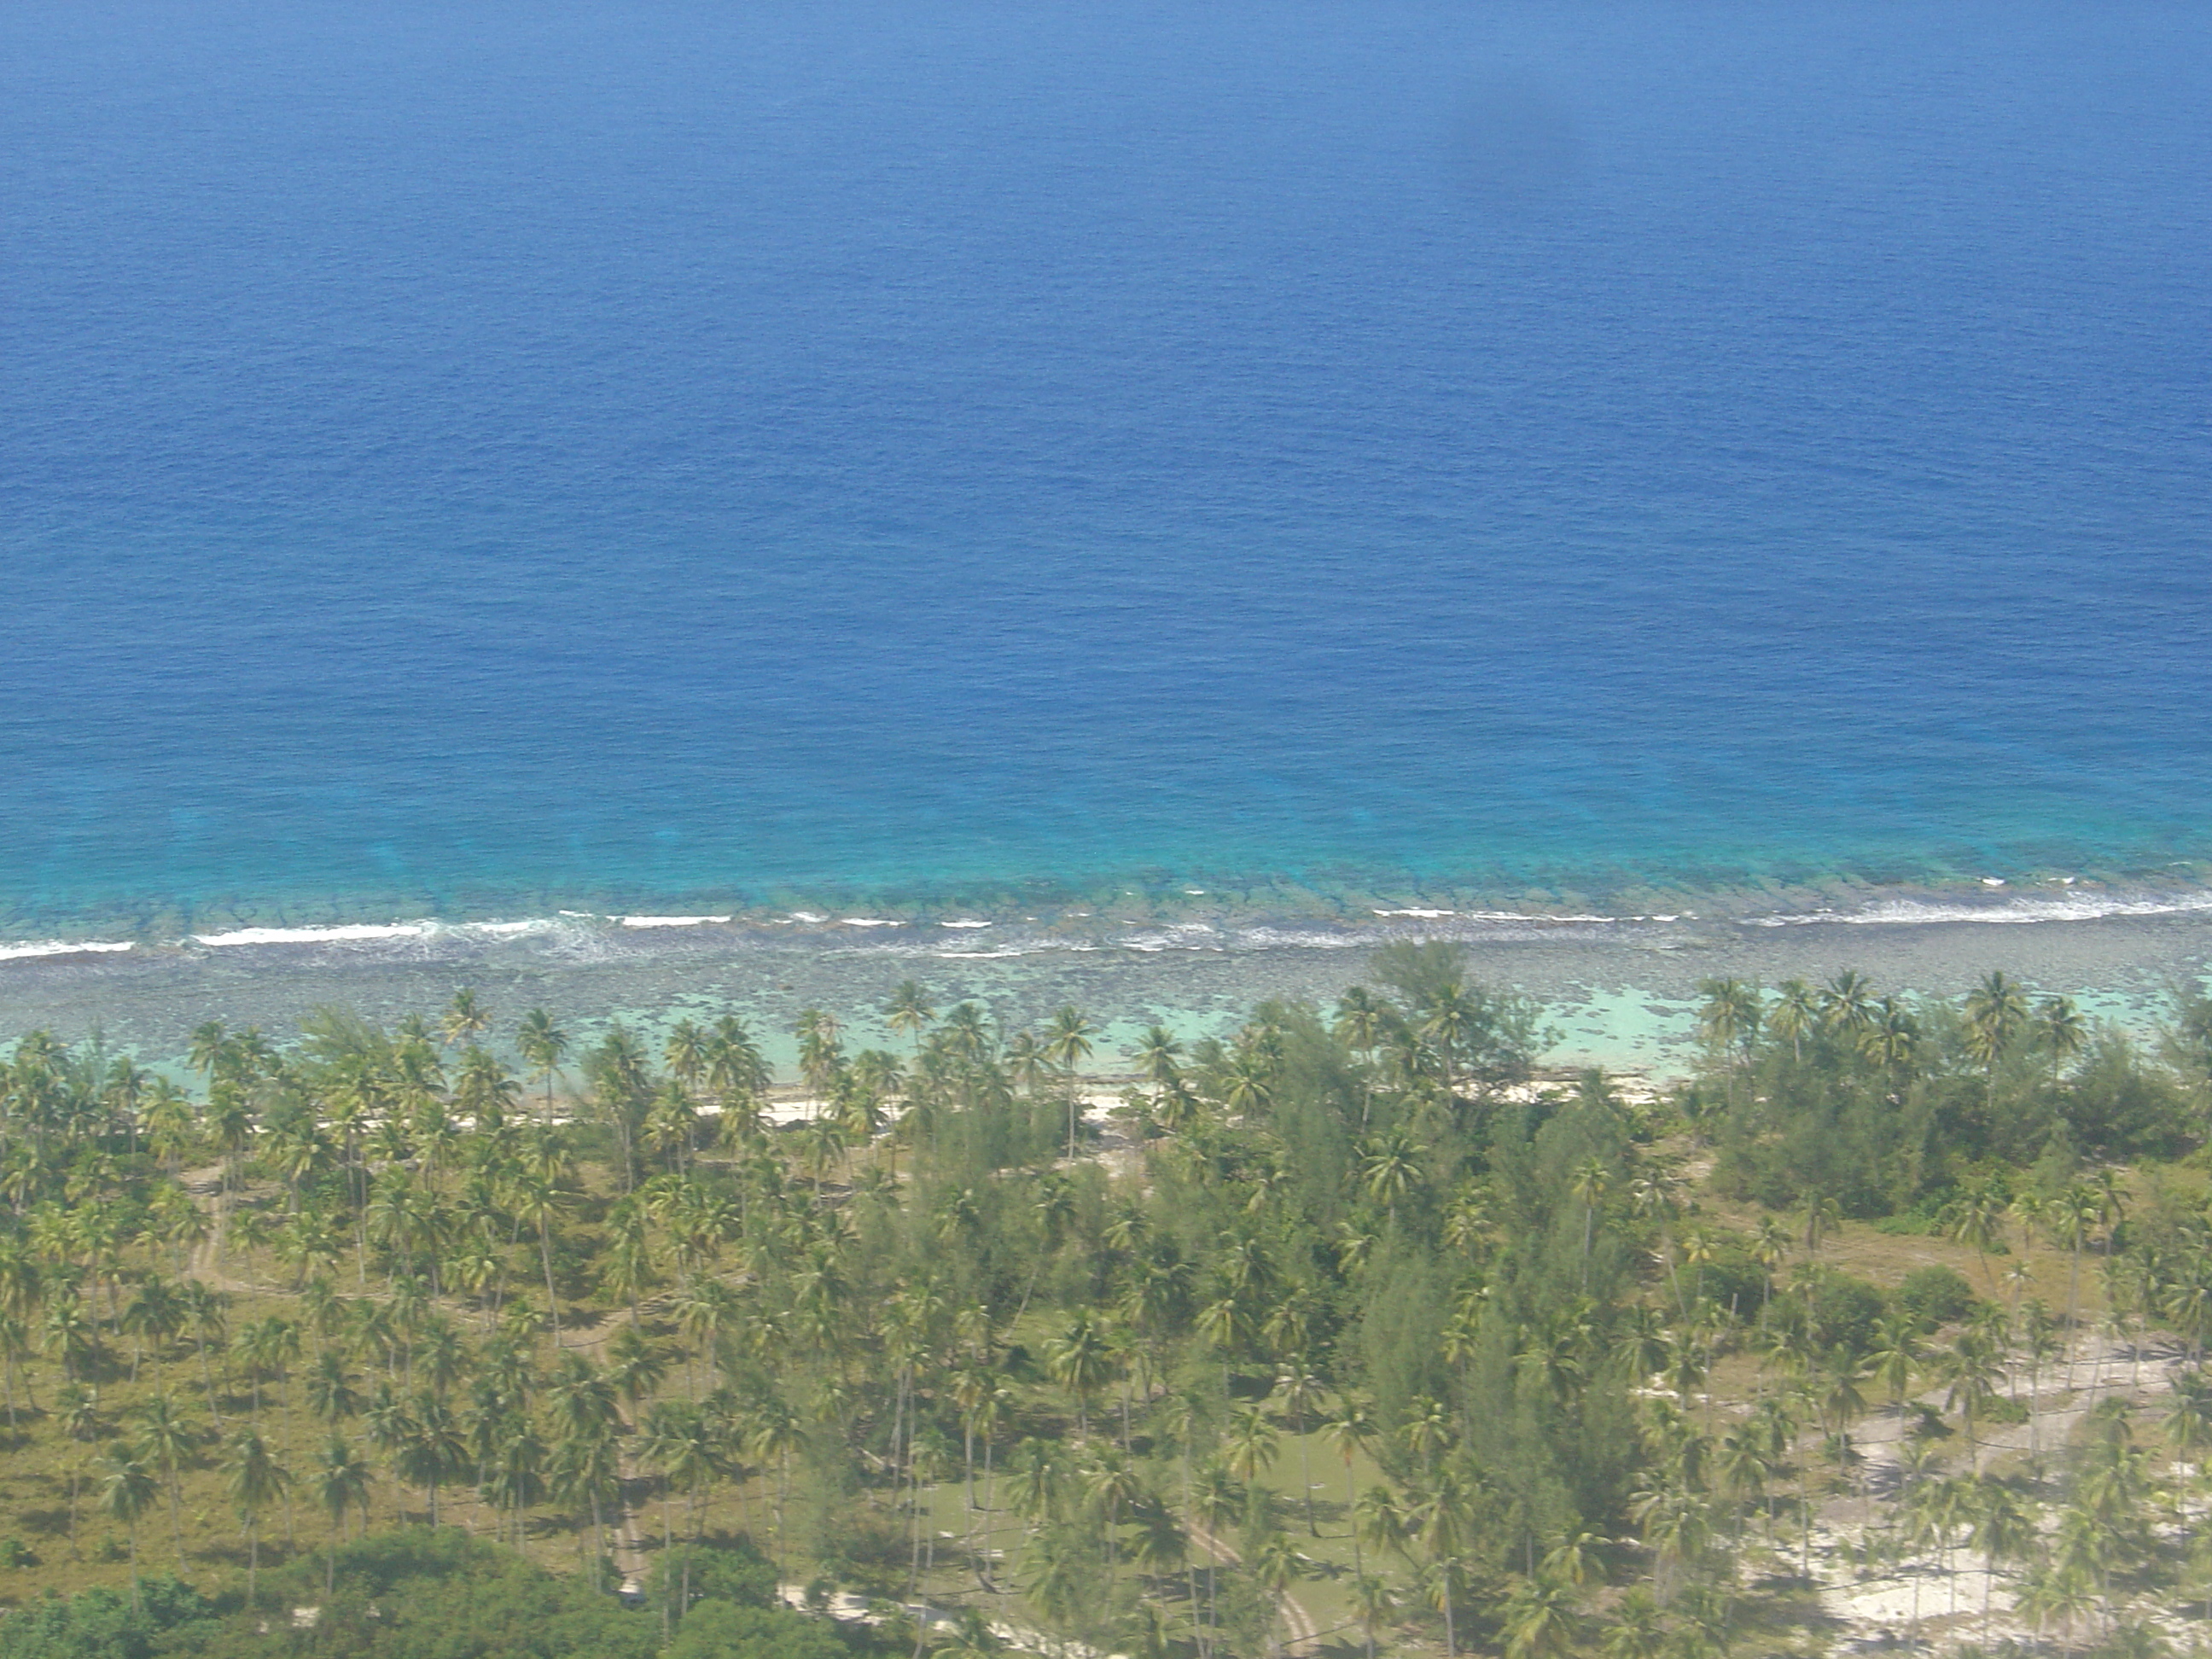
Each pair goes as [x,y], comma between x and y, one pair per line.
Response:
[493,454]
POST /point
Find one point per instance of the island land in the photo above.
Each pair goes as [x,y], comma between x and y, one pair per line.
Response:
[1670,1288]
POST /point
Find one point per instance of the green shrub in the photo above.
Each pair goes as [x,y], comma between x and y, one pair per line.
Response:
[1833,1308]
[415,1593]
[723,1629]
[722,1569]
[1935,1295]
[171,1618]
[1733,1279]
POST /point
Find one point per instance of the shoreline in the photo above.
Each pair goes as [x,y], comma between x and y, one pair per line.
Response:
[1618,989]
[1098,907]
[1149,917]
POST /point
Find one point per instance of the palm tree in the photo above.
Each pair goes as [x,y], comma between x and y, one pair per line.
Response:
[466,1019]
[1897,1355]
[1675,1524]
[2056,1589]
[391,1431]
[1588,1182]
[127,1487]
[1797,1010]
[679,1444]
[1637,1631]
[1451,1016]
[909,1011]
[264,1348]
[1847,1005]
[1389,1167]
[206,1311]
[543,1044]
[1081,1360]
[73,1336]
[775,1432]
[1361,1018]
[1215,1502]
[1276,1563]
[1975,1217]
[1893,1039]
[1068,1043]
[1352,1429]
[342,1483]
[331,1393]
[972,1637]
[586,1472]
[1540,1620]
[2060,1032]
[169,1125]
[737,1076]
[684,1053]
[168,1441]
[1253,1443]
[1995,1010]
[1157,1053]
[429,1451]
[1373,1601]
[256,1481]
[516,1481]
[635,1366]
[820,1056]
[1300,1391]
[1729,1019]
[2072,1217]
[534,1199]
[1441,1515]
[1822,1216]
[1841,1403]
[2003,1531]
[155,1314]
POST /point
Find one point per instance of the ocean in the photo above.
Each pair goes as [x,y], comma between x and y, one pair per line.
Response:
[939,461]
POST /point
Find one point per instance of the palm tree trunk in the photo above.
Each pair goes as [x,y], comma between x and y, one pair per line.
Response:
[2073,1277]
[667,1544]
[207,1376]
[552,1299]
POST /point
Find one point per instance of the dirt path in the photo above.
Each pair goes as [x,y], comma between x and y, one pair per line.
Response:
[1303,1632]
[204,1187]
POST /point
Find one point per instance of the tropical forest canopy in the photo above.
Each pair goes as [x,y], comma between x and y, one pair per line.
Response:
[1354,1328]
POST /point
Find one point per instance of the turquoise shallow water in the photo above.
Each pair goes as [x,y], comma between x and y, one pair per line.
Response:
[489,459]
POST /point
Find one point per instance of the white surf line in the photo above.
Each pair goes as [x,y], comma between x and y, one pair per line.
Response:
[1906,913]
[349,933]
[60,948]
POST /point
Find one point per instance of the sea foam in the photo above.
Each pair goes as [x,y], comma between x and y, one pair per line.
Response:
[2075,906]
[60,948]
[347,933]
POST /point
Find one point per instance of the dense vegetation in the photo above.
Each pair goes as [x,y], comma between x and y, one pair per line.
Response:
[1350,1327]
